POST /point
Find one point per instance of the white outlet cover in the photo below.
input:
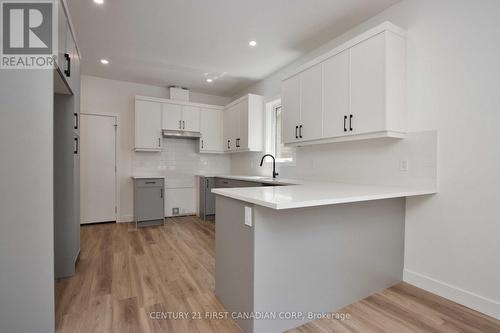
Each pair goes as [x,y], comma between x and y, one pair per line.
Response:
[248,216]
[403,165]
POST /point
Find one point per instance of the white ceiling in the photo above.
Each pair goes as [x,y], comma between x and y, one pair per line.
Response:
[175,42]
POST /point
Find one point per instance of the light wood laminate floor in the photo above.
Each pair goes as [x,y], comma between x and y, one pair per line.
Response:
[125,274]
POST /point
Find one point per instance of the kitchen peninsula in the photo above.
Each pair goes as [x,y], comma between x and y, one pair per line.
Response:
[307,248]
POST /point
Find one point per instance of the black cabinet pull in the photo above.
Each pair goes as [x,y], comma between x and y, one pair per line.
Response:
[159,142]
[150,182]
[183,124]
[300,131]
[77,146]
[350,122]
[238,143]
[228,141]
[202,144]
[76,120]
[207,184]
[296,129]
[67,72]
[180,124]
[345,119]
[161,193]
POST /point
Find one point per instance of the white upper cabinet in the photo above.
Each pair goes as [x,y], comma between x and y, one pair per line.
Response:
[336,94]
[243,124]
[290,97]
[181,117]
[368,86]
[211,130]
[154,115]
[172,116]
[148,123]
[191,118]
[311,104]
[356,91]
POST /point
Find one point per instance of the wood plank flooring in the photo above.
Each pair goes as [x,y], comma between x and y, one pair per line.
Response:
[125,274]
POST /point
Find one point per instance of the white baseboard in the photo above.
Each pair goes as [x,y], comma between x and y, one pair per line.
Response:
[469,299]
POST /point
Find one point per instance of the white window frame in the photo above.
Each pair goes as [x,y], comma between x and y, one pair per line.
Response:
[270,133]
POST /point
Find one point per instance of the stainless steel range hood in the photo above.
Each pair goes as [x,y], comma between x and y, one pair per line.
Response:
[181,134]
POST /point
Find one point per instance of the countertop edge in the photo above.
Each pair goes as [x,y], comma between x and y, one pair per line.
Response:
[325,202]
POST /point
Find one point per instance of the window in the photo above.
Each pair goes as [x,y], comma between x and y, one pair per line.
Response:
[274,144]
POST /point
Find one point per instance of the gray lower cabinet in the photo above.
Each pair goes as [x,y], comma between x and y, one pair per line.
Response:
[207,198]
[149,202]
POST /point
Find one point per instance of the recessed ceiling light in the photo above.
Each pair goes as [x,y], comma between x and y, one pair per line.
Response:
[252,43]
[104,61]
[99,2]
[210,80]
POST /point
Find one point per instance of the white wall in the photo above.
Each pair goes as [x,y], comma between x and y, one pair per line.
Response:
[100,95]
[452,238]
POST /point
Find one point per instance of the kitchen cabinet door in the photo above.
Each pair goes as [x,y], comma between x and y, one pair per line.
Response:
[63,30]
[211,130]
[148,117]
[191,118]
[172,116]
[336,95]
[241,121]
[311,105]
[291,109]
[368,86]
[70,71]
[231,128]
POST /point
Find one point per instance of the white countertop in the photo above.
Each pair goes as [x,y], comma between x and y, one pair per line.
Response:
[310,194]
[256,179]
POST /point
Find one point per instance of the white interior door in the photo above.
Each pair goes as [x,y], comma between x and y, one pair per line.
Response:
[98,168]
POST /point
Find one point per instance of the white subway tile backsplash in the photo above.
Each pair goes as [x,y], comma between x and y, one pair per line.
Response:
[179,161]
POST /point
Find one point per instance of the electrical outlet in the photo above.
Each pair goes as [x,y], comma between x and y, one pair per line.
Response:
[175,211]
[403,165]
[248,216]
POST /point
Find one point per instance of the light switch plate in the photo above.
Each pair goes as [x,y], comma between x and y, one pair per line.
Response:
[248,216]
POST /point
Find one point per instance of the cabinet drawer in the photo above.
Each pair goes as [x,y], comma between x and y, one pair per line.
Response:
[153,182]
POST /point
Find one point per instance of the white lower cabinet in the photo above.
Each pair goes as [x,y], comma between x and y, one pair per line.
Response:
[211,131]
[148,125]
[356,91]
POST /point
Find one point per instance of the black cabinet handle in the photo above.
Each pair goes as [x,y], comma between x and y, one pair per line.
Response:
[350,122]
[300,131]
[183,124]
[161,193]
[76,120]
[67,72]
[77,146]
[238,143]
[202,144]
[207,184]
[296,129]
[345,119]
[159,142]
[150,182]
[180,124]
[228,141]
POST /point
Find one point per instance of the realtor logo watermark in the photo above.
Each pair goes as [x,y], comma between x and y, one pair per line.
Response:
[29,39]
